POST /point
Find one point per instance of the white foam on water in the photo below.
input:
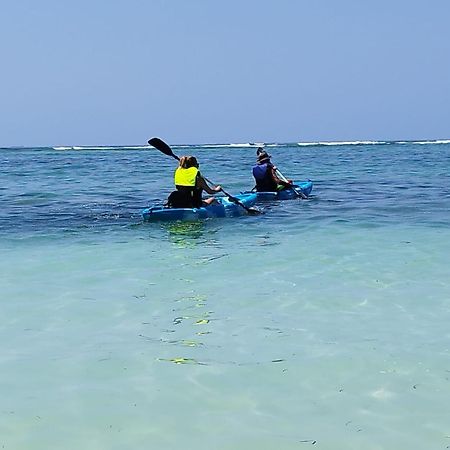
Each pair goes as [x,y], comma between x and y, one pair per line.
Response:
[102,147]
[260,144]
[306,144]
[444,141]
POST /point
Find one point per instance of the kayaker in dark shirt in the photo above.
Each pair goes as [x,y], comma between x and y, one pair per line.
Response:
[190,184]
[265,174]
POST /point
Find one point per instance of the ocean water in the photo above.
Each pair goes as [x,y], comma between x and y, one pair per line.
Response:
[321,324]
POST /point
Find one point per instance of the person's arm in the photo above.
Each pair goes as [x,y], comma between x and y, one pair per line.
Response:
[202,184]
[277,179]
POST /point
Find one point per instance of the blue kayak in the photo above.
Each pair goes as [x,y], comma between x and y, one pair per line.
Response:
[224,208]
[286,194]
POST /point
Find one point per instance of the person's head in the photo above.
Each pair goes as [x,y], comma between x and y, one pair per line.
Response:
[263,157]
[188,161]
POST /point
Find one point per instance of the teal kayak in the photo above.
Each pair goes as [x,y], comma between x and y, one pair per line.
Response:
[286,194]
[223,208]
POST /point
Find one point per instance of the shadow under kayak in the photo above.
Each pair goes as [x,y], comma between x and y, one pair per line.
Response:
[286,194]
[224,208]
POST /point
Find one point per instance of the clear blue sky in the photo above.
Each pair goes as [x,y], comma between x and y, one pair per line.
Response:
[92,72]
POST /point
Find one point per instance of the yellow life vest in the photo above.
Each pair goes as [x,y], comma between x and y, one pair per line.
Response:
[186,177]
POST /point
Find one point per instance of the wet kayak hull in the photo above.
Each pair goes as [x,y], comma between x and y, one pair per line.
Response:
[223,208]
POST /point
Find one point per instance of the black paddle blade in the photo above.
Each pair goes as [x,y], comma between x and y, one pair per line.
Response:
[251,211]
[254,211]
[160,145]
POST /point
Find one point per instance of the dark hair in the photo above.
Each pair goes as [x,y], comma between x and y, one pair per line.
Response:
[188,161]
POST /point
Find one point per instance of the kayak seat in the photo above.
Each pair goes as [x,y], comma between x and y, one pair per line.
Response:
[178,199]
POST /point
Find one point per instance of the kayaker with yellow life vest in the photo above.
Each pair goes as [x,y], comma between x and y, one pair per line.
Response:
[265,174]
[190,184]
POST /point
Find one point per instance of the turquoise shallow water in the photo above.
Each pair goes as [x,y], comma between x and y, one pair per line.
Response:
[321,324]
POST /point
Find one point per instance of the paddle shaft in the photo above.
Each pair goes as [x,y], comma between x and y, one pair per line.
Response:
[238,202]
[297,191]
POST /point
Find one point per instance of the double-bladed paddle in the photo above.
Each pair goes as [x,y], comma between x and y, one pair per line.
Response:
[160,145]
